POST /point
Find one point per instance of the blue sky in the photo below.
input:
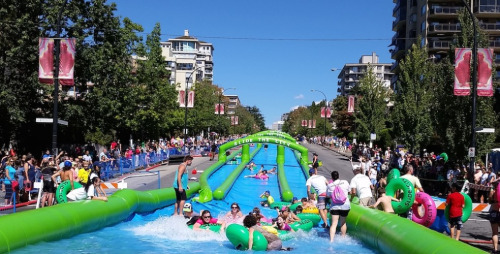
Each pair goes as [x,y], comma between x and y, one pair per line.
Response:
[290,45]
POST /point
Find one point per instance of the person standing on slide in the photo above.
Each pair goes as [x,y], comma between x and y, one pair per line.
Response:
[181,184]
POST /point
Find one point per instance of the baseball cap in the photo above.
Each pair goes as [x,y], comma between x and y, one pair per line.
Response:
[68,164]
[187,207]
[267,192]
[295,198]
[312,171]
[315,154]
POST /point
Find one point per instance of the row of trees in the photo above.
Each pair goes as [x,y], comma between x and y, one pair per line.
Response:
[125,98]
[425,114]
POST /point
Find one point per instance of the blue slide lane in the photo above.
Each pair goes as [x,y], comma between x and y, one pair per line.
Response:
[295,175]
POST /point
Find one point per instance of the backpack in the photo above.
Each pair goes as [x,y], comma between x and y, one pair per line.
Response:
[338,196]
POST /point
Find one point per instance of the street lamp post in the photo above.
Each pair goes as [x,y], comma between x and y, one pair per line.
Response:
[326,107]
[474,88]
[57,46]
[185,102]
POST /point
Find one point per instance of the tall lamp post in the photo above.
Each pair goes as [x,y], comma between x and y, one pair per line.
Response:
[185,102]
[326,107]
[220,100]
[57,46]
[474,88]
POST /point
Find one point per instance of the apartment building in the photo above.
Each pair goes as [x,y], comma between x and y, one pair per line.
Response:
[234,101]
[351,74]
[436,23]
[188,59]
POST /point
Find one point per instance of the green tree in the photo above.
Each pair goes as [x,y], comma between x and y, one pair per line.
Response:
[371,113]
[412,120]
[344,121]
[259,118]
[154,95]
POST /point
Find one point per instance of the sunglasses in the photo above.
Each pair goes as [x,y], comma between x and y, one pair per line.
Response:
[207,217]
[234,207]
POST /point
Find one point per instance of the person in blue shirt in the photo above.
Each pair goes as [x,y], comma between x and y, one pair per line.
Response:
[181,184]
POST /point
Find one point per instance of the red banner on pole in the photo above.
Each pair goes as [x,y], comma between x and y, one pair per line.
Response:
[309,124]
[190,99]
[304,123]
[327,111]
[484,72]
[66,61]
[219,109]
[234,120]
[182,98]
[462,71]
[350,104]
[314,124]
[46,60]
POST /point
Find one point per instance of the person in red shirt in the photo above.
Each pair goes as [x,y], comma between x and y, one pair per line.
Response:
[456,202]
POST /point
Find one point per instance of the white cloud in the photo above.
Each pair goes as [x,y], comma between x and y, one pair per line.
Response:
[295,107]
[298,97]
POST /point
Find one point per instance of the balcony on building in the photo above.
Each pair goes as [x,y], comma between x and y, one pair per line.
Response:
[399,22]
[487,10]
[495,44]
[439,45]
[438,11]
[490,28]
[444,28]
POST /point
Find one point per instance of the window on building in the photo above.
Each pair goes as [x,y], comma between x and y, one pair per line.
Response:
[423,26]
[185,66]
[424,9]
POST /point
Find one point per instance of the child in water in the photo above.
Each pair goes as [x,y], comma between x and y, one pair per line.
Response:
[268,198]
[384,200]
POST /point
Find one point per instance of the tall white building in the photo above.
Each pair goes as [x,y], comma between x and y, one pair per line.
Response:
[186,56]
[352,73]
[278,125]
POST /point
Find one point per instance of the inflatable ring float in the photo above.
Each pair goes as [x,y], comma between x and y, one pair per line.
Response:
[430,211]
[293,207]
[279,205]
[305,225]
[466,211]
[314,218]
[213,227]
[408,194]
[238,236]
[63,189]
[393,174]
[313,210]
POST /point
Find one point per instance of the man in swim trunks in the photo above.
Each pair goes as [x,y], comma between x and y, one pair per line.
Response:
[181,184]
[456,202]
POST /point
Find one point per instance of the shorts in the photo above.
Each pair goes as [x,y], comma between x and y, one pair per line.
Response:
[321,204]
[342,215]
[8,191]
[48,186]
[180,195]
[456,222]
[366,201]
[494,217]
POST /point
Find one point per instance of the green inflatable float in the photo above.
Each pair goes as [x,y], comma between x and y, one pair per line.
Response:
[407,198]
[212,227]
[466,211]
[63,189]
[238,236]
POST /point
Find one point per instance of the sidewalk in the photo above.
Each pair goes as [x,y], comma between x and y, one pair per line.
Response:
[346,154]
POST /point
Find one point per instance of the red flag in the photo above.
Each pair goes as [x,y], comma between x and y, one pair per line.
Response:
[234,120]
[66,61]
[328,112]
[462,71]
[219,109]
[46,60]
[350,104]
[304,123]
[310,125]
[484,70]
[314,124]
[190,103]
[182,98]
